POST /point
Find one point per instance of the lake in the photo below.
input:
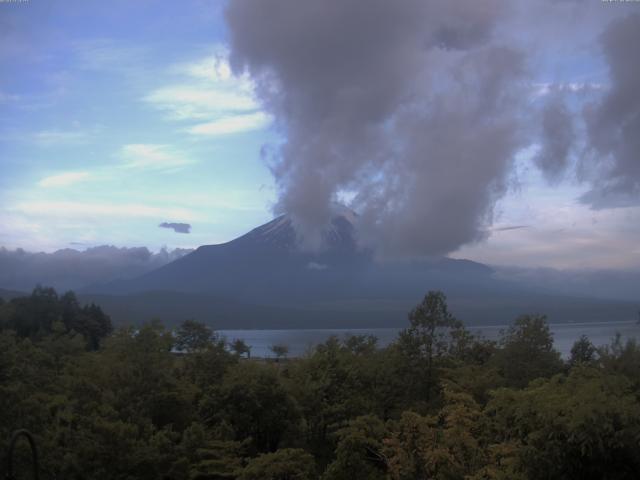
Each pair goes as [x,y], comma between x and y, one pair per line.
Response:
[301,341]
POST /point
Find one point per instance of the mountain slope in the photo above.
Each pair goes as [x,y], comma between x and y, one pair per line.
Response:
[264,280]
[266,265]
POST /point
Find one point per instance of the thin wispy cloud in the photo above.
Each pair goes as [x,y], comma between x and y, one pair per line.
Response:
[231,124]
[91,210]
[189,102]
[152,157]
[8,97]
[60,137]
[64,179]
[102,54]
[208,93]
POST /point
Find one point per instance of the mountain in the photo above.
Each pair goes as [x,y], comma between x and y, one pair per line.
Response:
[268,266]
[264,279]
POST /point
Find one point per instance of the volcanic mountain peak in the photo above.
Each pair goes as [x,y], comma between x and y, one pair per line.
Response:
[281,233]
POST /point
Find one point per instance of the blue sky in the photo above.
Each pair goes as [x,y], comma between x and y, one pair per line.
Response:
[117,116]
[111,125]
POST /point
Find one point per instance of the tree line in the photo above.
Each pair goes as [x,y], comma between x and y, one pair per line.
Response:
[144,402]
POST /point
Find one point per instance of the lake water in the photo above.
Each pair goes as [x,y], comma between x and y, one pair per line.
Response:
[301,341]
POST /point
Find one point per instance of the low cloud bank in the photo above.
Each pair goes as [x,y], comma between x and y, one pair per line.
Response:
[604,284]
[74,269]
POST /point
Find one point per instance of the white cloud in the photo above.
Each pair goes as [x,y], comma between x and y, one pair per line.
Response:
[91,210]
[208,93]
[63,179]
[7,97]
[546,88]
[104,54]
[188,102]
[152,156]
[231,124]
[212,67]
[56,137]
[562,233]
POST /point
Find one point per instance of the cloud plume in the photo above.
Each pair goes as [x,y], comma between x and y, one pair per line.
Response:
[614,123]
[409,106]
[557,139]
[416,110]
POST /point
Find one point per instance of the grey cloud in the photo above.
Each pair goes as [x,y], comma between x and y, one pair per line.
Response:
[73,269]
[316,266]
[557,138]
[609,195]
[614,123]
[510,227]
[410,105]
[177,227]
[609,284]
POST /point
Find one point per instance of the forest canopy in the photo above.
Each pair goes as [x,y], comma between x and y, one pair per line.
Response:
[438,403]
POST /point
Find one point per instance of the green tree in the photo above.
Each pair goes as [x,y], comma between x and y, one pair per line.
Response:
[359,451]
[585,425]
[138,367]
[240,347]
[361,344]
[34,316]
[192,336]
[583,352]
[284,464]
[280,351]
[37,315]
[622,358]
[208,457]
[432,333]
[94,325]
[527,351]
[255,403]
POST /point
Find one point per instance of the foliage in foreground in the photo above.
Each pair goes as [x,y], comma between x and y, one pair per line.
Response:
[438,403]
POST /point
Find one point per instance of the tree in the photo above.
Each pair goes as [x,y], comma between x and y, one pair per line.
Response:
[37,315]
[361,344]
[206,368]
[280,351]
[622,358]
[255,403]
[359,451]
[240,347]
[284,464]
[585,425]
[34,316]
[94,325]
[527,351]
[432,334]
[583,352]
[209,457]
[192,336]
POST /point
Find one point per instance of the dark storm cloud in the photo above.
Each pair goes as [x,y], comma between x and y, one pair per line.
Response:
[614,123]
[557,138]
[409,105]
[71,269]
[177,227]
